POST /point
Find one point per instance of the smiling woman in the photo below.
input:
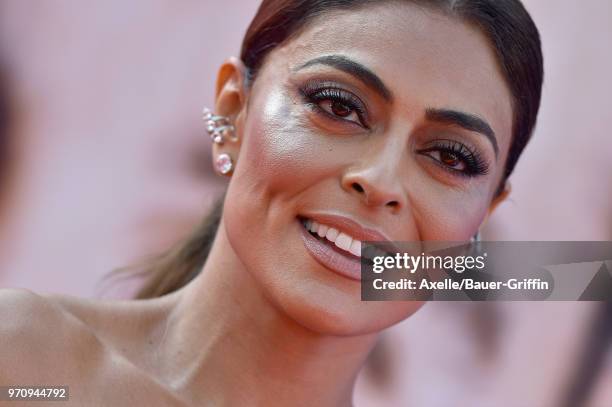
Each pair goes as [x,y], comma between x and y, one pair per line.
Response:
[342,121]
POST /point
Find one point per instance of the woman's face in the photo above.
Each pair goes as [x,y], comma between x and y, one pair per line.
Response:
[392,116]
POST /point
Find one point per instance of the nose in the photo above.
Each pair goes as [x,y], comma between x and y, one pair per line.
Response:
[376,183]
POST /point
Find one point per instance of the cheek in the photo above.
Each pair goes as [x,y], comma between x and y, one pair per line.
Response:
[277,161]
[443,213]
[274,149]
[277,147]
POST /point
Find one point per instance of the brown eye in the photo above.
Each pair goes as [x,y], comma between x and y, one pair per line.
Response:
[456,157]
[338,104]
[449,159]
[340,109]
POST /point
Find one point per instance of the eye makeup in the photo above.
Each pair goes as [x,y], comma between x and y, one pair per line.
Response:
[456,157]
[331,100]
[334,102]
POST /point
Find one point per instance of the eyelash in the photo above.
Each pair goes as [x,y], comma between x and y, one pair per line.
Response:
[475,165]
[315,94]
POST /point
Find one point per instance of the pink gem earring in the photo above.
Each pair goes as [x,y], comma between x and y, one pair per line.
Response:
[224,164]
[219,129]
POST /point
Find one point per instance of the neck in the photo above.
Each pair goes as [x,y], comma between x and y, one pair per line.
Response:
[226,343]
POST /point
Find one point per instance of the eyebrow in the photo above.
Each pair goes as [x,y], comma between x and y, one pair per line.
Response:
[465,120]
[444,116]
[355,69]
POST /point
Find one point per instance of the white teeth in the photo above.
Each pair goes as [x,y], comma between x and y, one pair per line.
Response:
[332,234]
[322,230]
[343,241]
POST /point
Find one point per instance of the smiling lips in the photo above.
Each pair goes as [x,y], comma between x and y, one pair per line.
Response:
[336,242]
[333,235]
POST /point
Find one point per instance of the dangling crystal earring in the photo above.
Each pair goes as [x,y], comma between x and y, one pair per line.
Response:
[224,164]
[217,127]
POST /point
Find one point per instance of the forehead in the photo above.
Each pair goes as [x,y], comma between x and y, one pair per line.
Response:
[426,58]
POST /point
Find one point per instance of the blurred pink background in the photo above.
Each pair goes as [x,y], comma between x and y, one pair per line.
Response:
[109,163]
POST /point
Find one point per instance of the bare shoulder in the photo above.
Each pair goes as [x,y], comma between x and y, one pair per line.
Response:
[38,334]
[51,339]
[24,312]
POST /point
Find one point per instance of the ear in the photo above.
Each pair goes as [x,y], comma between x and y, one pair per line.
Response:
[230,101]
[502,196]
[230,92]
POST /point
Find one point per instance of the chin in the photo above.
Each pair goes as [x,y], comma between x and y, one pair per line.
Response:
[327,309]
[310,294]
[353,322]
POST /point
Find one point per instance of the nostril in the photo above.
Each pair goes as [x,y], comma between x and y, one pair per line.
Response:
[357,187]
[393,204]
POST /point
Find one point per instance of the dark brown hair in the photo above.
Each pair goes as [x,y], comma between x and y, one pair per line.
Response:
[508,27]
